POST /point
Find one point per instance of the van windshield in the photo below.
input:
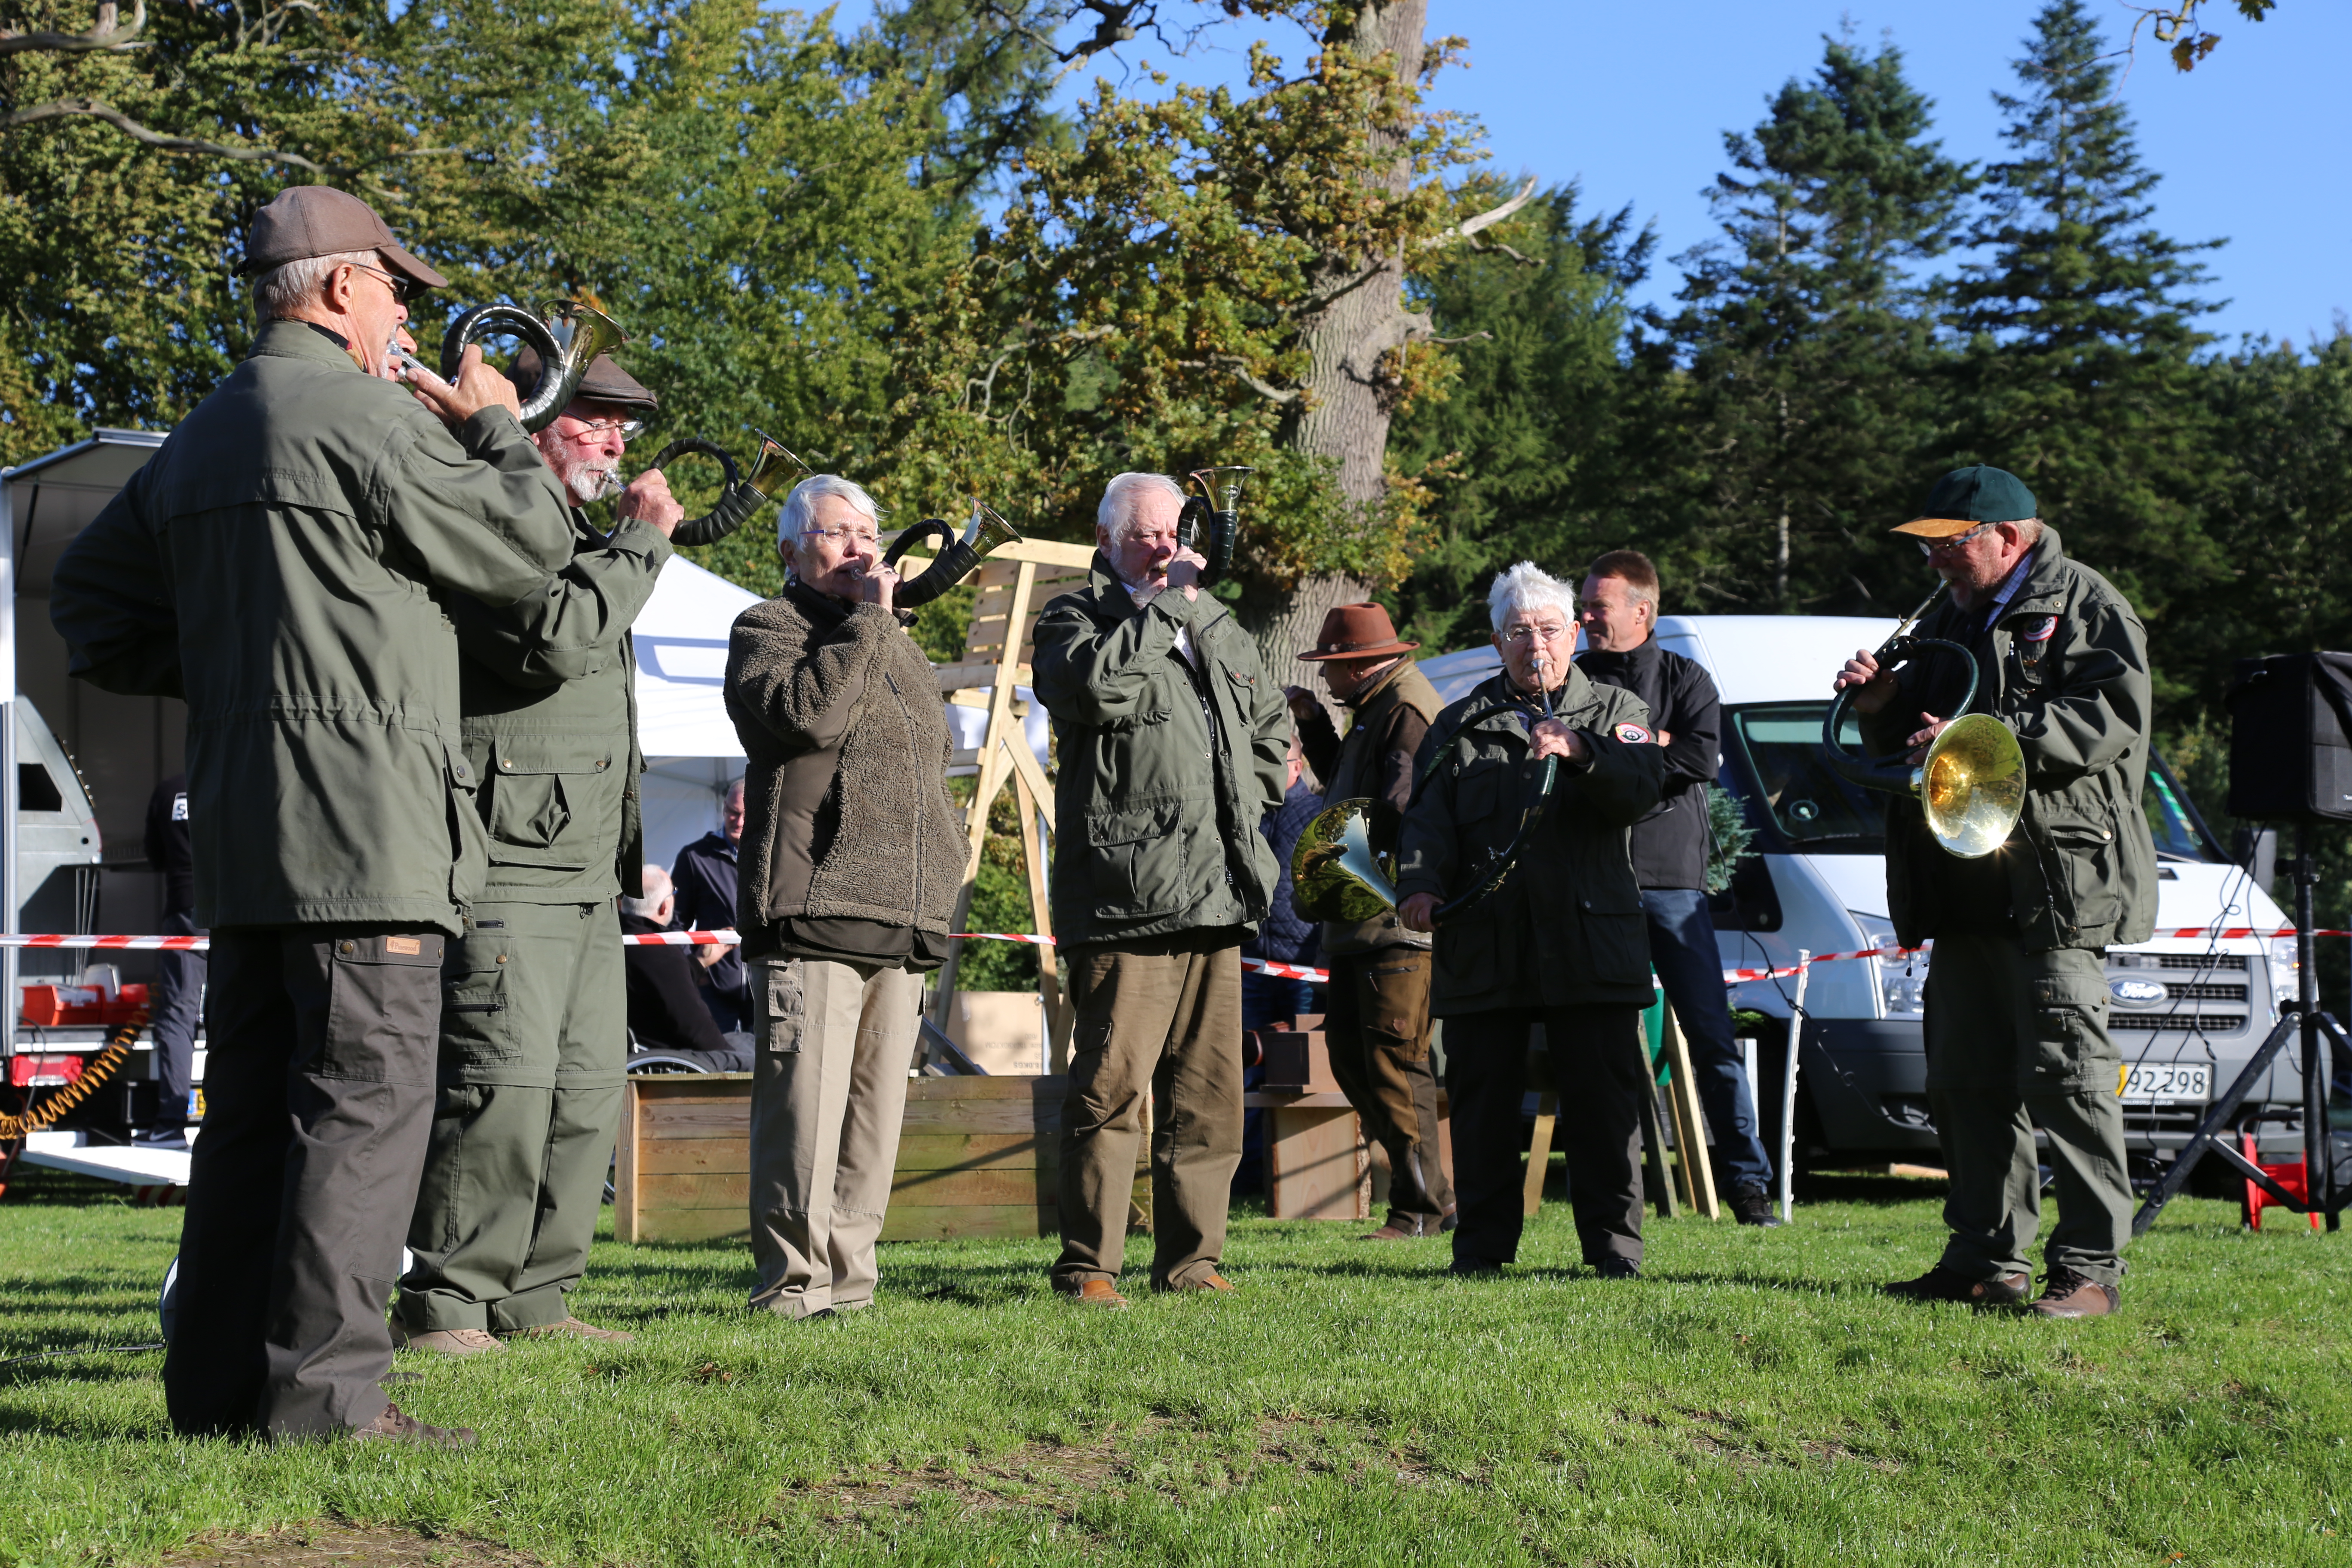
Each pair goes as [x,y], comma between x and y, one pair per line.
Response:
[1774,762]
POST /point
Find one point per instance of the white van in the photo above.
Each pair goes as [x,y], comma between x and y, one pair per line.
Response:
[2188,1011]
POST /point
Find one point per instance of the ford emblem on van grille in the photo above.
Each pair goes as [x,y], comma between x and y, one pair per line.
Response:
[2138,992]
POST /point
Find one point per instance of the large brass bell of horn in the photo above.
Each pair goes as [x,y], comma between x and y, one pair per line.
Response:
[1972,785]
[1334,875]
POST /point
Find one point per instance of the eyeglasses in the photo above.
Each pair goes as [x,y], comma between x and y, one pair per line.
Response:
[1931,546]
[851,537]
[1518,636]
[630,429]
[403,289]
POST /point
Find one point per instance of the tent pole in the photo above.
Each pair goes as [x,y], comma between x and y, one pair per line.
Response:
[10,895]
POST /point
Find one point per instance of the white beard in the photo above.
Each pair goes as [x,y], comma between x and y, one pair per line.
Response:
[588,480]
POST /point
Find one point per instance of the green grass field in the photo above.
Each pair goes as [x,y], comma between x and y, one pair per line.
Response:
[1754,1400]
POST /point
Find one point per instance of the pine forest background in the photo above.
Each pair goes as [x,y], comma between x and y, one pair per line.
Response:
[889,248]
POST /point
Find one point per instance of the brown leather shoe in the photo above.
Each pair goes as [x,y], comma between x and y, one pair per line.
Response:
[1212,1281]
[1403,1227]
[574,1328]
[2066,1294]
[1097,1293]
[1942,1284]
[395,1427]
[445,1342]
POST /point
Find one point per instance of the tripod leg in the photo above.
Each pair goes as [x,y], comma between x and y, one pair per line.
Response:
[2217,1116]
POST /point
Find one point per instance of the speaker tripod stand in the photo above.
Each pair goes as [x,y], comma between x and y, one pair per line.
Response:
[2300,1019]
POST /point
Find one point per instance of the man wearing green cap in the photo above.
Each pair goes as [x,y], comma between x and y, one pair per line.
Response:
[534,1037]
[2017,997]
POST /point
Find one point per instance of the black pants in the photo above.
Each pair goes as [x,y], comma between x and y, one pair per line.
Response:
[179,996]
[1597,1063]
[319,1095]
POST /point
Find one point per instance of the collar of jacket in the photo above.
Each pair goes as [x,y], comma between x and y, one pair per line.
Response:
[1388,678]
[1110,590]
[1497,703]
[2044,588]
[1612,663]
[720,844]
[298,339]
[825,610]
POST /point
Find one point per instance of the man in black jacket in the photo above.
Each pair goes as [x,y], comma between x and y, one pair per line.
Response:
[666,1013]
[1619,609]
[179,990]
[705,878]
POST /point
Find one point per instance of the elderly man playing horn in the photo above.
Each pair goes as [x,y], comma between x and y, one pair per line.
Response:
[2017,994]
[852,856]
[1560,940]
[285,562]
[533,1038]
[1172,741]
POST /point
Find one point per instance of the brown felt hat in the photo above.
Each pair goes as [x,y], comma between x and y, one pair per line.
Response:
[303,221]
[606,381]
[1356,631]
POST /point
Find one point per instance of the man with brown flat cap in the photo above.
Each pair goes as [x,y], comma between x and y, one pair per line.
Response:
[534,1019]
[1377,1007]
[2016,994]
[286,563]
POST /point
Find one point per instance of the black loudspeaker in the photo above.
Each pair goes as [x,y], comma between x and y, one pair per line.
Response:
[2291,738]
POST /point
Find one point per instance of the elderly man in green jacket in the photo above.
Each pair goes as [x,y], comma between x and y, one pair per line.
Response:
[534,1023]
[2017,994]
[1561,940]
[283,562]
[1172,744]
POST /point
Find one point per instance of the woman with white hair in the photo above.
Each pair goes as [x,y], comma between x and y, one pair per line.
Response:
[851,859]
[1560,942]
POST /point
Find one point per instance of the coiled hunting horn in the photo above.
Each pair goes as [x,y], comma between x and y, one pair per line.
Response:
[1221,522]
[593,332]
[957,556]
[741,500]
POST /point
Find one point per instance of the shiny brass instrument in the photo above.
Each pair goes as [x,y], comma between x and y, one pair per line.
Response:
[1971,785]
[958,557]
[593,332]
[1334,875]
[1219,485]
[741,498]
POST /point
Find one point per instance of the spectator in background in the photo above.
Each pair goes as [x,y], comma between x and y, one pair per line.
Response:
[1284,937]
[666,1013]
[704,881]
[179,992]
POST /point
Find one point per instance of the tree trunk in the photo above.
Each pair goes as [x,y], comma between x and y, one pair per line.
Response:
[1347,386]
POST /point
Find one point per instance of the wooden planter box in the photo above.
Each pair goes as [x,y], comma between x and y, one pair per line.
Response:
[976,1157]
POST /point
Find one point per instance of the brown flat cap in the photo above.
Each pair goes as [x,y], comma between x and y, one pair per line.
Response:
[1356,631]
[303,221]
[606,381]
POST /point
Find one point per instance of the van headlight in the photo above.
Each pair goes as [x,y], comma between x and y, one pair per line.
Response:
[2287,984]
[1902,982]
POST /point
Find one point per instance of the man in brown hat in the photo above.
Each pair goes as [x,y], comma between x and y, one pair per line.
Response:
[288,562]
[535,1033]
[1377,1005]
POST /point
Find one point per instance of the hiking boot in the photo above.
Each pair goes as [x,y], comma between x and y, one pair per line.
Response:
[1942,1284]
[2066,1294]
[446,1341]
[395,1427]
[573,1329]
[1618,1268]
[1095,1293]
[1754,1206]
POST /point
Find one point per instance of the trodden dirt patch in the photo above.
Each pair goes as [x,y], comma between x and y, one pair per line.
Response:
[329,1545]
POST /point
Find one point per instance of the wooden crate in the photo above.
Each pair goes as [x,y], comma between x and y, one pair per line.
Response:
[976,1157]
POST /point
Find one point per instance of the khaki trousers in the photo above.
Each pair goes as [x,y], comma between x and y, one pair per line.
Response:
[2017,1040]
[534,1045]
[1160,1017]
[1377,1022]
[828,1092]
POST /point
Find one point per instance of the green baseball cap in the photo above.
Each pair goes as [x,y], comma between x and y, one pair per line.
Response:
[1968,498]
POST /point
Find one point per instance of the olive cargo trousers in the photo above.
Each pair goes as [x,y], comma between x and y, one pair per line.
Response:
[318,1091]
[534,1046]
[1377,1025]
[828,1093]
[2017,1040]
[1157,1018]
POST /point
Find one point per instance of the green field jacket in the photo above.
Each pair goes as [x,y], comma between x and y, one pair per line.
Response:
[549,704]
[1164,769]
[2070,677]
[1565,928]
[276,562]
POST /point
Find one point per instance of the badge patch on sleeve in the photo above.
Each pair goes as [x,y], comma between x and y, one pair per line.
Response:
[1632,734]
[2040,631]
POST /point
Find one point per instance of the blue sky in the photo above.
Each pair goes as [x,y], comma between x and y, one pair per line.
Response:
[1632,98]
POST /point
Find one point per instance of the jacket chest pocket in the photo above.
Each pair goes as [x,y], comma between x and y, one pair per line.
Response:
[1136,862]
[551,797]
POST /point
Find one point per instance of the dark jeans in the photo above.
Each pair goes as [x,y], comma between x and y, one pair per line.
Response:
[178,999]
[1598,1064]
[319,1095]
[1683,951]
[729,1009]
[1267,1001]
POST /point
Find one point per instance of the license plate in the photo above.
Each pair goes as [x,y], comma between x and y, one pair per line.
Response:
[2145,1081]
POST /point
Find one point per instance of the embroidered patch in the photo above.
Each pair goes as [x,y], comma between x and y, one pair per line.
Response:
[1633,734]
[2040,631]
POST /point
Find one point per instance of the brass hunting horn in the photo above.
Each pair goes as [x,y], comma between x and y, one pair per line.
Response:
[1334,875]
[593,332]
[1219,508]
[740,499]
[957,556]
[1972,786]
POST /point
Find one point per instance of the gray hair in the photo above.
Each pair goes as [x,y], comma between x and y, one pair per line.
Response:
[793,519]
[656,886]
[1122,498]
[284,289]
[1527,587]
